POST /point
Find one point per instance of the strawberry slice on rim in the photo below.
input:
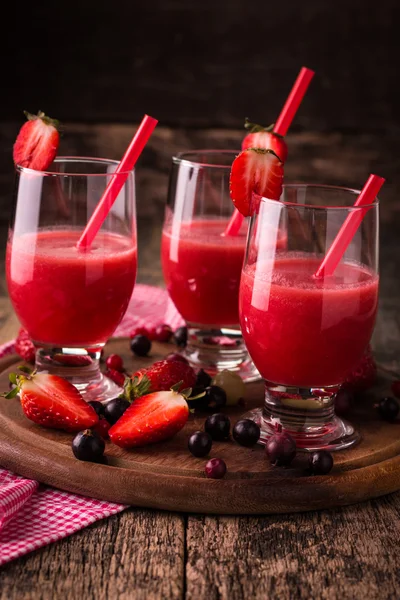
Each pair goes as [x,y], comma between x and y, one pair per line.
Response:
[256,170]
[37,142]
[52,401]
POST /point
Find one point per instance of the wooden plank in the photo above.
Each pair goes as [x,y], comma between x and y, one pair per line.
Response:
[342,554]
[136,555]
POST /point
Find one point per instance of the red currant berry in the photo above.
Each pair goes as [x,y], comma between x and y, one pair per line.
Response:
[163,333]
[115,362]
[116,376]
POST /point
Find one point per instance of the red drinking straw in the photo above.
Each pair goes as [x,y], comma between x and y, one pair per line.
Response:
[348,229]
[281,127]
[117,180]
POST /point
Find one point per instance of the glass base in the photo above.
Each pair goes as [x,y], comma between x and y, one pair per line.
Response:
[216,349]
[81,368]
[307,415]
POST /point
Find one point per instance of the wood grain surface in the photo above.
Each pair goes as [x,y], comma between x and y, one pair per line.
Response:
[167,476]
[349,553]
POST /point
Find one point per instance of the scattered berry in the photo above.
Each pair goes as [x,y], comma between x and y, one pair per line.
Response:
[343,402]
[203,379]
[281,448]
[37,142]
[218,426]
[255,170]
[88,445]
[388,409]
[115,363]
[233,385]
[200,443]
[163,333]
[396,388]
[151,418]
[246,432]
[102,428]
[115,376]
[215,468]
[320,462]
[164,374]
[98,407]
[180,336]
[177,356]
[140,345]
[52,401]
[114,409]
[264,137]
[214,398]
[24,346]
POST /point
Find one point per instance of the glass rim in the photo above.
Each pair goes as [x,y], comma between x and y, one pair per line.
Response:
[352,191]
[180,157]
[72,160]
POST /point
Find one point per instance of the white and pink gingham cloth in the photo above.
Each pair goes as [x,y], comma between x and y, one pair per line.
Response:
[33,515]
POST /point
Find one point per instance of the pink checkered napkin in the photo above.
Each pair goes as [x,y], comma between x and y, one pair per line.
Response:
[33,515]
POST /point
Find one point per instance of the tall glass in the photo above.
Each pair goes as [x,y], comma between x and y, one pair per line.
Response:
[70,301]
[303,333]
[201,265]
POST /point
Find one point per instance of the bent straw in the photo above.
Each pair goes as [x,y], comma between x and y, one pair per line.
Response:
[117,181]
[281,127]
[350,226]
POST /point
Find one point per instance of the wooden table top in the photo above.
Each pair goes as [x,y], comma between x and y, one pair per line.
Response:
[346,553]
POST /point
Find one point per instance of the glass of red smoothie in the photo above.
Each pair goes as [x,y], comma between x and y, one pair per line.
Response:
[70,301]
[201,264]
[305,334]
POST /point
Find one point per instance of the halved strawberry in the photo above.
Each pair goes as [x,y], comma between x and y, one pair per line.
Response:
[37,142]
[255,170]
[264,137]
[24,346]
[152,418]
[52,401]
[164,374]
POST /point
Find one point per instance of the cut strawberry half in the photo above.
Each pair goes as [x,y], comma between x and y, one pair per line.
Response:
[264,137]
[255,170]
[52,401]
[152,418]
[37,142]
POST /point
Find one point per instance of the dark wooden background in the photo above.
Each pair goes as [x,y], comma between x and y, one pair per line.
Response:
[201,67]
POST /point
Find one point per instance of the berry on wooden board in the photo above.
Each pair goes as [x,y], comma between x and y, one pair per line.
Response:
[88,445]
[140,345]
[215,468]
[52,401]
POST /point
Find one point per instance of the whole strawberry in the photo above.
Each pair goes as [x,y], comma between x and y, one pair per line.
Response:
[52,401]
[363,376]
[264,137]
[37,142]
[24,346]
[164,374]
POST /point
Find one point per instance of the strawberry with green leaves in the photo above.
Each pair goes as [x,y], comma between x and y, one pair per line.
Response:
[37,142]
[152,418]
[163,374]
[51,401]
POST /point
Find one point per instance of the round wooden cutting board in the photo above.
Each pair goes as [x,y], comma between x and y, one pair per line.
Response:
[167,476]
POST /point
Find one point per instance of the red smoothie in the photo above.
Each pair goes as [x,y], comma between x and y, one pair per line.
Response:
[67,297]
[202,270]
[302,331]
